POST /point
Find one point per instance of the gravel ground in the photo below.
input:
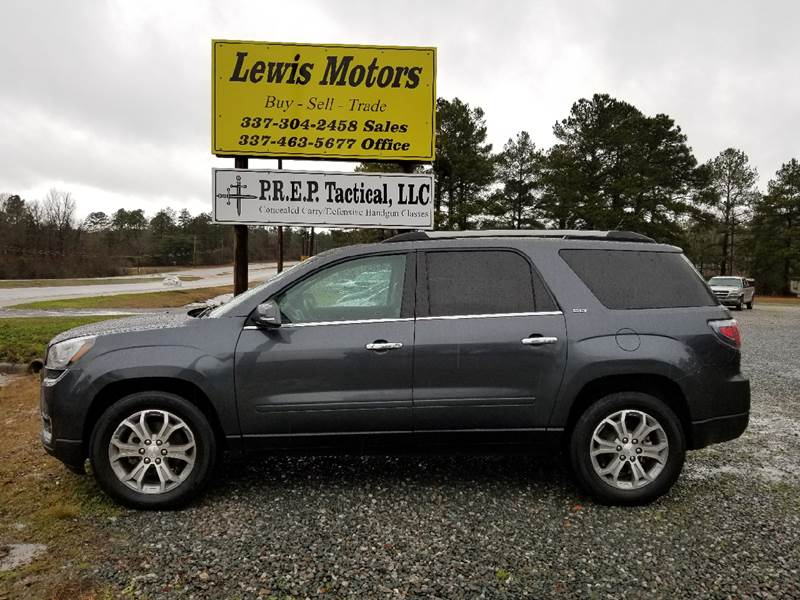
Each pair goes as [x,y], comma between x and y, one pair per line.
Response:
[492,527]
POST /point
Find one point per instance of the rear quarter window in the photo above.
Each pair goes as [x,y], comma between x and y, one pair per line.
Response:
[630,279]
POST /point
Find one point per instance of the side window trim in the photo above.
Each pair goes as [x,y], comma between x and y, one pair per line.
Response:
[348,322]
[331,323]
[540,313]
[408,306]
[423,289]
[421,295]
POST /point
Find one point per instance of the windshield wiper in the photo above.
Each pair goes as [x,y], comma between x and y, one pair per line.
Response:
[200,311]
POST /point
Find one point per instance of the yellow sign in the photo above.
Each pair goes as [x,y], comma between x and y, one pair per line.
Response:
[335,102]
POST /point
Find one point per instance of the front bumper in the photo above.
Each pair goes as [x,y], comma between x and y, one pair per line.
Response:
[70,452]
[731,301]
[62,416]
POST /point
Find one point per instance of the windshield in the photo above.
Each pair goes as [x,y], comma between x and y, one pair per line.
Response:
[230,306]
[727,281]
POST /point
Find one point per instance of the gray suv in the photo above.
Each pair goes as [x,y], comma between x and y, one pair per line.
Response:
[604,345]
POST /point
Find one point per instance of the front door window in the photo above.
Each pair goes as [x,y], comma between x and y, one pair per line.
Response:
[361,289]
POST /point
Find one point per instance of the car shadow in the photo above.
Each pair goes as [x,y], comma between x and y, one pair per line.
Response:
[293,473]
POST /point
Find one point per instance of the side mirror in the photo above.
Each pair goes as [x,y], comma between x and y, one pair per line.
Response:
[268,314]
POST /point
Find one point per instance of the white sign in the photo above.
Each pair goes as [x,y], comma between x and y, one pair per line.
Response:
[325,199]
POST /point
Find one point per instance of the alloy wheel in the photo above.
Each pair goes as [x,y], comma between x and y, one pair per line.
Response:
[629,449]
[152,451]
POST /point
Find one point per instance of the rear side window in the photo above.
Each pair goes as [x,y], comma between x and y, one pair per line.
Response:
[479,282]
[627,279]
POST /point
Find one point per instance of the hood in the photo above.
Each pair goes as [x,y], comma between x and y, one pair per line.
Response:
[126,325]
[724,288]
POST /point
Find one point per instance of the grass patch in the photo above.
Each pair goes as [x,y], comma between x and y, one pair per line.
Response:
[166,299]
[502,575]
[36,283]
[61,510]
[23,339]
[42,502]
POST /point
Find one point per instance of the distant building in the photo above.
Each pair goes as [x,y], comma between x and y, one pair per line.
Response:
[794,286]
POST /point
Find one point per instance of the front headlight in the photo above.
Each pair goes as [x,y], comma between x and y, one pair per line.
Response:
[63,354]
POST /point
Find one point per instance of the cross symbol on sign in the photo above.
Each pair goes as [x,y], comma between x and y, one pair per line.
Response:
[237,194]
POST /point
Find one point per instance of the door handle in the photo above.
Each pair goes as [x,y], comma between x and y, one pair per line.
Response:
[538,340]
[383,346]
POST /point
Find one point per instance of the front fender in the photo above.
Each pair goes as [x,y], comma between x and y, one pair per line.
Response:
[212,375]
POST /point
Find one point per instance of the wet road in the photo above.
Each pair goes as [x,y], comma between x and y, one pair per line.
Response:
[209,277]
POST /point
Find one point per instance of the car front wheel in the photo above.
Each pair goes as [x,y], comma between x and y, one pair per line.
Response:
[627,448]
[152,450]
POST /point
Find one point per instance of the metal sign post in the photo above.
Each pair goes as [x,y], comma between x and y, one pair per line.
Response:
[240,283]
[280,231]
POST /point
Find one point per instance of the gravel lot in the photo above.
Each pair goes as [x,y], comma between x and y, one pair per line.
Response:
[490,527]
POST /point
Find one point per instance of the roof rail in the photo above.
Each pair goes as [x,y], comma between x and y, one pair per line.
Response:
[408,236]
[564,234]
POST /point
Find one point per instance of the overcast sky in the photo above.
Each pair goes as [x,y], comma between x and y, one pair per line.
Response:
[111,100]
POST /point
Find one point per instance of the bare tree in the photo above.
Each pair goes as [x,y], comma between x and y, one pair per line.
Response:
[35,213]
[59,215]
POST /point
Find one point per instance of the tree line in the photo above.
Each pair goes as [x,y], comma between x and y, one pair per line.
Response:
[44,239]
[612,167]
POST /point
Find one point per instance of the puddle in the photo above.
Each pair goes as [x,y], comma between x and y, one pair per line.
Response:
[770,474]
[14,556]
[771,453]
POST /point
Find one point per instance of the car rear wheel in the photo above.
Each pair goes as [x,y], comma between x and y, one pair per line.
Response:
[750,305]
[152,450]
[627,448]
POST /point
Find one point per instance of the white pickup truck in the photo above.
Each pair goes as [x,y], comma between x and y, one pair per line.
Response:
[733,291]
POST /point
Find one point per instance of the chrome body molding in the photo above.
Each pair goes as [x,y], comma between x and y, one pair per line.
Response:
[492,316]
[447,317]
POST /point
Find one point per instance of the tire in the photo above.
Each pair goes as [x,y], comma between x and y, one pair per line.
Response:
[750,305]
[169,422]
[740,304]
[630,488]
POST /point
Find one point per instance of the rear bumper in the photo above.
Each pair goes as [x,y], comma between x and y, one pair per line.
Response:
[718,429]
[734,399]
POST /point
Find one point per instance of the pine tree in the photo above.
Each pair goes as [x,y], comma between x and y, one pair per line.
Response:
[733,183]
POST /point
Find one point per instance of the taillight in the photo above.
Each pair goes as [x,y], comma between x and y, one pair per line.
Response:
[728,330]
